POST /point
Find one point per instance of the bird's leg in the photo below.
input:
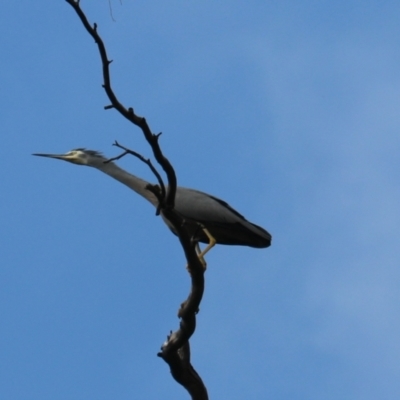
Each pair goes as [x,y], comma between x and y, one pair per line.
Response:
[211,243]
[201,253]
[201,258]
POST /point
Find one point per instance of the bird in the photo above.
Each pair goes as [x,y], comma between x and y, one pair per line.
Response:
[207,218]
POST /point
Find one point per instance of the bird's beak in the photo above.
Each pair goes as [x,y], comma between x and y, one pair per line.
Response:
[57,156]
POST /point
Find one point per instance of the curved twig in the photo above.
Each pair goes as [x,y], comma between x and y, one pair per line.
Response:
[147,161]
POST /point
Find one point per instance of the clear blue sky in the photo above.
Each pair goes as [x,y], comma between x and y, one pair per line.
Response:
[289,111]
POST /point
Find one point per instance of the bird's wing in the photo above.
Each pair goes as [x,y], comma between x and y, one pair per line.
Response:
[200,206]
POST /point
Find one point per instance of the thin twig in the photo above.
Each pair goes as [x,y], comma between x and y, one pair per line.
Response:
[147,161]
[111,12]
[158,191]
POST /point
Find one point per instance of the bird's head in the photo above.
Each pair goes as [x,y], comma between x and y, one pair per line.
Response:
[90,158]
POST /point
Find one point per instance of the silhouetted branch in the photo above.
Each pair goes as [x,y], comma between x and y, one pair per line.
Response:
[128,113]
[146,161]
[176,350]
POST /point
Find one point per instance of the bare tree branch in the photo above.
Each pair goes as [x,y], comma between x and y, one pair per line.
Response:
[128,113]
[176,350]
[161,193]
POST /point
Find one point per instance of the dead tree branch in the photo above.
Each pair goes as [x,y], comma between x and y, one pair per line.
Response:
[176,350]
[160,194]
[128,113]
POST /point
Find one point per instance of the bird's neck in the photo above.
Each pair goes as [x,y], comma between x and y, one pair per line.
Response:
[132,181]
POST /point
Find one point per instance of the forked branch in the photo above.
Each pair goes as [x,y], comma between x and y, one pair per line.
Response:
[160,193]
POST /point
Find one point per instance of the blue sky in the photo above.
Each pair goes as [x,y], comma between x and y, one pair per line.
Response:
[290,112]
